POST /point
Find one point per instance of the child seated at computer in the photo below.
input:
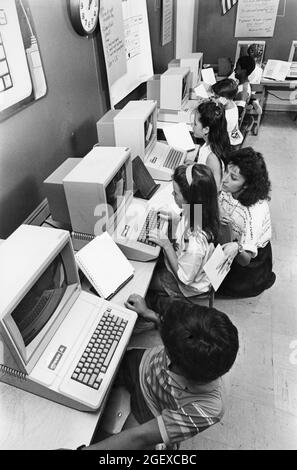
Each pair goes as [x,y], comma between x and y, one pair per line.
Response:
[181,275]
[176,388]
[225,91]
[244,67]
[209,124]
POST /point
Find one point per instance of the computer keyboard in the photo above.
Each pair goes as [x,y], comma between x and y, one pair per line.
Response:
[5,75]
[93,364]
[173,159]
[152,222]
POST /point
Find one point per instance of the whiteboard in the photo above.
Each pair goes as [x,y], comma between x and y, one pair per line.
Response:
[256,18]
[137,50]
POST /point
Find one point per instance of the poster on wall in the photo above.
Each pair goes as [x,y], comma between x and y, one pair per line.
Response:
[167,21]
[138,53]
[256,18]
[113,39]
[22,79]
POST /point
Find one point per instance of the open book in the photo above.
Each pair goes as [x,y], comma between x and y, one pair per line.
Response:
[277,69]
[217,267]
[104,265]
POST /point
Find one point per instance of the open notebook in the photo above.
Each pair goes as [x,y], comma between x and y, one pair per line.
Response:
[104,265]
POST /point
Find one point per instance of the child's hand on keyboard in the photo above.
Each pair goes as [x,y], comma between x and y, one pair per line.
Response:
[137,303]
[159,238]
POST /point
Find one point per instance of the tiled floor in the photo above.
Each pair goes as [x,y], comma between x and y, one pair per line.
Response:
[262,403]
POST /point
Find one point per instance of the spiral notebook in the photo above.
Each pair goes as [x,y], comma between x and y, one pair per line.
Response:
[104,265]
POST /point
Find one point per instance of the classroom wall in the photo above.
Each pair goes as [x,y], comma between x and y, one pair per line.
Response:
[36,140]
[215,35]
[39,138]
[161,54]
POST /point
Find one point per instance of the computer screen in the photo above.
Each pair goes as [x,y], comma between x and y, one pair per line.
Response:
[135,126]
[38,278]
[98,189]
[40,303]
[185,87]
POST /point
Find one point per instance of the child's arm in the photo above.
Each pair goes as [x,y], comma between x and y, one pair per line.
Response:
[137,303]
[143,436]
[213,163]
[163,241]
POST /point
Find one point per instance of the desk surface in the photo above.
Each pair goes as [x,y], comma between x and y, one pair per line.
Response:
[28,421]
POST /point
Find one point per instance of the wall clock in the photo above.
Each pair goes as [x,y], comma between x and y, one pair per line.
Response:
[84,15]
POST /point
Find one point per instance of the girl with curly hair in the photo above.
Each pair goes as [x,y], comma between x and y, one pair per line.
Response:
[243,203]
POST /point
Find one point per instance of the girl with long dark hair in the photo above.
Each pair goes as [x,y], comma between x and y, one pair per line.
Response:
[209,124]
[195,235]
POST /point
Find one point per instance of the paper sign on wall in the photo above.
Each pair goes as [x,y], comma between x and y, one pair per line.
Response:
[256,18]
[113,39]
[167,21]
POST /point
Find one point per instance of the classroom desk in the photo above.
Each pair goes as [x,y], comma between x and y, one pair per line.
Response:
[279,84]
[28,421]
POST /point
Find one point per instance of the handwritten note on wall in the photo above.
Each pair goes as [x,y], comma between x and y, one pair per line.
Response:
[256,18]
[112,30]
[138,54]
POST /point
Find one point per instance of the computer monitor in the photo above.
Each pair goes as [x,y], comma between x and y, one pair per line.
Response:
[175,88]
[98,189]
[135,126]
[48,324]
[39,280]
[194,60]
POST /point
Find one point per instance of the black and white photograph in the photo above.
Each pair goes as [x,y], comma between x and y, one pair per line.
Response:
[148,230]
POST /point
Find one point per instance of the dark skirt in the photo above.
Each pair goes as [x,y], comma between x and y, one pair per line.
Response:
[250,280]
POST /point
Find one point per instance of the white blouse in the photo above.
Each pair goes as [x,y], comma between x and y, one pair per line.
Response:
[234,133]
[193,251]
[203,154]
[251,225]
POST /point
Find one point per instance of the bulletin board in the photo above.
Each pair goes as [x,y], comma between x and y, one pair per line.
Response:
[215,32]
[136,53]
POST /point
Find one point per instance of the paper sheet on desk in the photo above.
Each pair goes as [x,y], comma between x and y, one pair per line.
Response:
[179,137]
[208,76]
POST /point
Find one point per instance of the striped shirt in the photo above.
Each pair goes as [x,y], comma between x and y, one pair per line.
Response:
[251,225]
[182,408]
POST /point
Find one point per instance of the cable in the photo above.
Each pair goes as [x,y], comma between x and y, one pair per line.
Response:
[27,19]
[278,97]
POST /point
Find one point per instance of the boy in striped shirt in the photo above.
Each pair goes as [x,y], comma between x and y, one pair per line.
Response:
[176,389]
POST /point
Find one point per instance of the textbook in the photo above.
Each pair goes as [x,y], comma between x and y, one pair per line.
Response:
[104,265]
[277,69]
[217,267]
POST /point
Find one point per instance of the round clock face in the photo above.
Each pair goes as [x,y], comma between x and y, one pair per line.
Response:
[84,15]
[89,10]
